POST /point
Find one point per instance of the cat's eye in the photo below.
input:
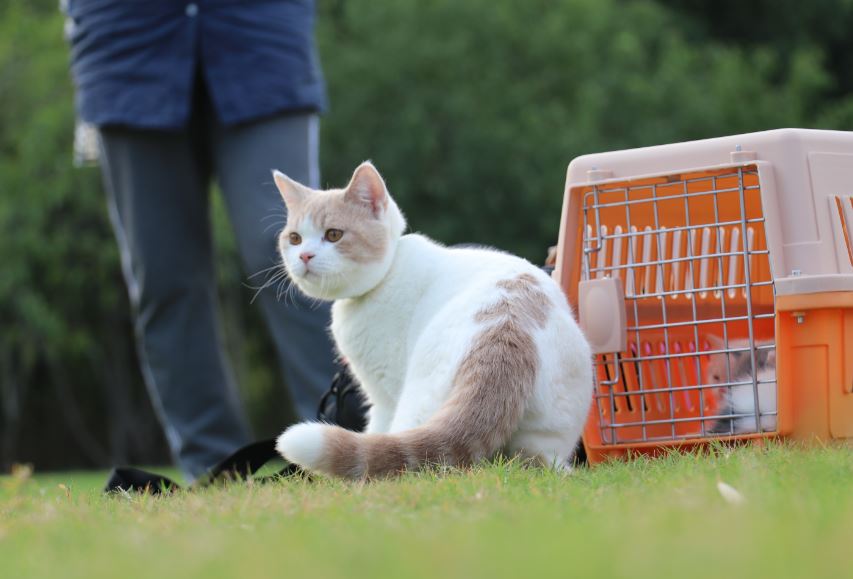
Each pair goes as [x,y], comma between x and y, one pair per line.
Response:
[295,238]
[716,377]
[334,235]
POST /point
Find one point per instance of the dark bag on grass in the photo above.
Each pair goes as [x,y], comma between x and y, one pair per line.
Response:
[343,405]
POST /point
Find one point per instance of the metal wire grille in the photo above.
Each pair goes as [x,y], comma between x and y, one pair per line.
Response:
[693,259]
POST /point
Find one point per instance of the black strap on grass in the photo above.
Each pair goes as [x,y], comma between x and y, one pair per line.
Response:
[241,465]
[342,405]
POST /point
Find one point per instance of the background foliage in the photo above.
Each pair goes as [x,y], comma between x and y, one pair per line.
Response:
[472,109]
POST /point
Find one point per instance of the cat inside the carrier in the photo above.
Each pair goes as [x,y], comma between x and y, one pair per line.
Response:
[734,370]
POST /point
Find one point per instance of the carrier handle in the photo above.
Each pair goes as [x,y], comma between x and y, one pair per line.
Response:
[601,311]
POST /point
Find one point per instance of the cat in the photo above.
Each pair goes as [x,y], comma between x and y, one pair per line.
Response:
[740,399]
[461,352]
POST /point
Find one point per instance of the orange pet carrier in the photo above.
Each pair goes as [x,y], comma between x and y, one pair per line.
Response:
[714,281]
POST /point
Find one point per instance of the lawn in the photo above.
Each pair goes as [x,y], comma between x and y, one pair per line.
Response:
[646,518]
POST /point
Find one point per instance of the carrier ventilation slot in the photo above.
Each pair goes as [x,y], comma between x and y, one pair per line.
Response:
[845,215]
[676,263]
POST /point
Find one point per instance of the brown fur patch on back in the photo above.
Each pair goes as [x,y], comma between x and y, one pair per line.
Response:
[524,299]
[498,374]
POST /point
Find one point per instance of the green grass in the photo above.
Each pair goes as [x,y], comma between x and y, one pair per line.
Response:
[646,518]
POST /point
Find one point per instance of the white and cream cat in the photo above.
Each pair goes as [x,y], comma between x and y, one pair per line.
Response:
[462,353]
[737,395]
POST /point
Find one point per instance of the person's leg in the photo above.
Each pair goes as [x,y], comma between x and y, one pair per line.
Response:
[244,157]
[157,185]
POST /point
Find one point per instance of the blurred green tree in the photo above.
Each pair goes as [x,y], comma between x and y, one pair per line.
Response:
[786,26]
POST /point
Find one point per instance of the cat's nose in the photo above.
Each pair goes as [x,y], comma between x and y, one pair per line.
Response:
[306,256]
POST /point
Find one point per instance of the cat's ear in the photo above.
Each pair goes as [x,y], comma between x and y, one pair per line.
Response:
[292,192]
[715,342]
[368,188]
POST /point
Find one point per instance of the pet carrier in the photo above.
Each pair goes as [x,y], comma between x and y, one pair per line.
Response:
[714,281]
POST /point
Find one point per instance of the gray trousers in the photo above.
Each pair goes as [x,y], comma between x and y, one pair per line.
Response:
[158,191]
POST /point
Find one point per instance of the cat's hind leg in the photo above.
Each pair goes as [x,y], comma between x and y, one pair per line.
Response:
[420,400]
[379,417]
[427,384]
[546,448]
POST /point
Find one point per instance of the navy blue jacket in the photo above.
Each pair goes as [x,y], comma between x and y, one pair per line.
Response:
[135,61]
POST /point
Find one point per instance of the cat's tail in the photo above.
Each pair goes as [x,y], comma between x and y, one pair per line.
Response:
[463,432]
[488,397]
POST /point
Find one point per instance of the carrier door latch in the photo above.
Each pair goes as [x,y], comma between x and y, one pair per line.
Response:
[601,310]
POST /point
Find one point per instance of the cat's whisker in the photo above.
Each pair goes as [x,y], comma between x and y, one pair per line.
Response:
[270,282]
[283,289]
[266,270]
[271,215]
[275,224]
[291,291]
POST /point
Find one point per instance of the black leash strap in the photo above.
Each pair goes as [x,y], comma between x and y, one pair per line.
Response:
[245,462]
[342,405]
